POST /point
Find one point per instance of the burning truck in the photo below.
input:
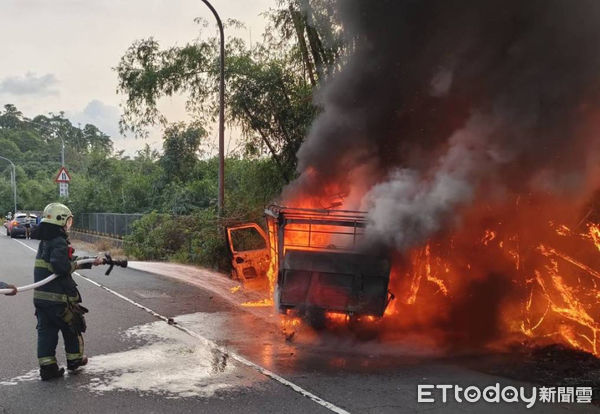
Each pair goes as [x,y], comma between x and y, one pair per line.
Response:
[471,137]
[314,261]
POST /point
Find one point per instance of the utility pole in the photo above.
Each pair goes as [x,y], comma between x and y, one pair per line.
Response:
[221,198]
[13,181]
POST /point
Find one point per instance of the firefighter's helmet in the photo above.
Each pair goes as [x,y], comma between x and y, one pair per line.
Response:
[56,213]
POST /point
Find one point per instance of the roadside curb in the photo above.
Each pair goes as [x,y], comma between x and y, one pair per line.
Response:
[93,238]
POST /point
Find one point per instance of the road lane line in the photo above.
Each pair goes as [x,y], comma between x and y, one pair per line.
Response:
[215,346]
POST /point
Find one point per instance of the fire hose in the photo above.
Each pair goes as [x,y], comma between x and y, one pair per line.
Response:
[106,260]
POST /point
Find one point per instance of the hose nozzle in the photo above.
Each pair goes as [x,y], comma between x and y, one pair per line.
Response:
[121,262]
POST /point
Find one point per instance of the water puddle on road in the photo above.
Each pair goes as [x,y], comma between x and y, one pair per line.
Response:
[165,361]
[168,362]
[32,375]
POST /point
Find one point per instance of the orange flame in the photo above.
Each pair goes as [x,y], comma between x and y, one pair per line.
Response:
[553,281]
[258,303]
[594,232]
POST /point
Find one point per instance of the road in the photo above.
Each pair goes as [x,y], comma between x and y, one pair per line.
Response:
[217,356]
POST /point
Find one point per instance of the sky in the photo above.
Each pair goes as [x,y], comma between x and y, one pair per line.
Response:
[58,55]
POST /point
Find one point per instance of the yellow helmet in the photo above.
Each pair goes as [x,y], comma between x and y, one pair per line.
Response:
[56,213]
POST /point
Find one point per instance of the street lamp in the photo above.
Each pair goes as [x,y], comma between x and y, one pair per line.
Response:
[54,133]
[13,179]
[221,197]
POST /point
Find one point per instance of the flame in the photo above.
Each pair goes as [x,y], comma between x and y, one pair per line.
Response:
[258,303]
[289,325]
[488,236]
[563,230]
[422,263]
[272,271]
[548,252]
[564,302]
[550,290]
[290,322]
[562,299]
[336,317]
[594,232]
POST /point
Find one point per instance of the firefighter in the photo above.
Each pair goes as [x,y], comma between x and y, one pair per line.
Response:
[57,304]
[7,286]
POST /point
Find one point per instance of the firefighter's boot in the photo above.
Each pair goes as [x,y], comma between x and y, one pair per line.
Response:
[73,365]
[48,372]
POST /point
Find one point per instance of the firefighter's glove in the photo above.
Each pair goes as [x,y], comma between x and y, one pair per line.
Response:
[14,290]
[73,316]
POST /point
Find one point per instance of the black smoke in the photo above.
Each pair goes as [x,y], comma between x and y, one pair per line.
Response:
[445,102]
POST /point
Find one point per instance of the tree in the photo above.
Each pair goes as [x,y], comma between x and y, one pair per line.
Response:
[270,102]
[11,117]
[147,73]
[269,94]
[273,106]
[96,140]
[313,28]
[181,145]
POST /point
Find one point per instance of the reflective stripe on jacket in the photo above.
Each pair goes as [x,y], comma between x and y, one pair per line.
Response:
[53,257]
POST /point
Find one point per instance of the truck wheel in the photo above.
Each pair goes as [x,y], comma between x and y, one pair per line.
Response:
[316,319]
[12,235]
[365,330]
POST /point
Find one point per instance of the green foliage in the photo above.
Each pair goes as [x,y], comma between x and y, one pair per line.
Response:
[269,86]
[154,236]
[145,72]
[190,232]
[195,239]
[273,105]
[34,145]
[269,98]
[313,32]
[178,189]
[181,146]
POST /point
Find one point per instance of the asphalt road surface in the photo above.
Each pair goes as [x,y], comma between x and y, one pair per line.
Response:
[215,356]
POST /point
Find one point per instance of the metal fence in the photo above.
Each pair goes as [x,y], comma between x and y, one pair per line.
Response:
[110,224]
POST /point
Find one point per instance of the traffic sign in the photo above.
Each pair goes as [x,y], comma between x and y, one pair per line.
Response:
[63,190]
[62,176]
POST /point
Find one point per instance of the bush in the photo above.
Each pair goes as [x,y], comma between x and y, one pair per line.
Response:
[197,239]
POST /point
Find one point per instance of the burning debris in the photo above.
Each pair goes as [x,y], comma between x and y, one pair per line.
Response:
[469,132]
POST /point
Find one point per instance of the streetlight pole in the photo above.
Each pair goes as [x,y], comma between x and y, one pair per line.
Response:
[13,179]
[62,146]
[221,197]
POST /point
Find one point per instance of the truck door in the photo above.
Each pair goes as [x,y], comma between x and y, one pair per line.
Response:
[250,250]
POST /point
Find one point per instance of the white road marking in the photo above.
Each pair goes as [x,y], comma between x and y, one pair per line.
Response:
[213,345]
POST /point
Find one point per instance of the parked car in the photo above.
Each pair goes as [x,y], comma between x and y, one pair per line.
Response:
[16,226]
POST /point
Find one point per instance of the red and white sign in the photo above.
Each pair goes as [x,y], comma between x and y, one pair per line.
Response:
[62,176]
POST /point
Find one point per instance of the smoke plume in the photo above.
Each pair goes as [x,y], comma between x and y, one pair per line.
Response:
[447,103]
